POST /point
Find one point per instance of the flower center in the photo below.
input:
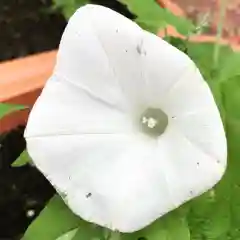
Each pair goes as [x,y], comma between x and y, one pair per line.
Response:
[154,122]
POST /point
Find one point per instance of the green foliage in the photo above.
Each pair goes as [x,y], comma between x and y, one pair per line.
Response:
[230,67]
[22,160]
[152,17]
[85,231]
[69,235]
[68,7]
[89,232]
[55,220]
[6,108]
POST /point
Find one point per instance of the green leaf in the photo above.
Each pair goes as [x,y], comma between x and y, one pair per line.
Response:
[202,53]
[232,108]
[150,25]
[55,220]
[22,160]
[69,235]
[68,7]
[230,67]
[6,108]
[152,17]
[232,97]
[172,226]
[89,232]
[208,219]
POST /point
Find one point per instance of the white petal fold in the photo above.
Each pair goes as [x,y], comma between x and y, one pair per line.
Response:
[112,180]
[64,109]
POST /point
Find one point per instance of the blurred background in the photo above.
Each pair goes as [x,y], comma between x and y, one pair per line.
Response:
[33,26]
[195,9]
[30,26]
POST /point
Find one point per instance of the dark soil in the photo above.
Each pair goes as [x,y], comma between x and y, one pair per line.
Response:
[21,188]
[26,27]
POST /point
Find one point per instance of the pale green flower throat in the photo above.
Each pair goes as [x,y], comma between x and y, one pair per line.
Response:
[154,122]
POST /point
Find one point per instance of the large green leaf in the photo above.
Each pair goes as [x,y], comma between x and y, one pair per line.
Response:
[208,219]
[69,235]
[230,67]
[232,107]
[202,55]
[6,108]
[55,220]
[152,17]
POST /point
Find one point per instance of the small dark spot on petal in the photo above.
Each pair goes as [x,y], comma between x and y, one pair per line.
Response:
[218,161]
[191,192]
[116,30]
[139,49]
[198,163]
[126,50]
[88,195]
[173,117]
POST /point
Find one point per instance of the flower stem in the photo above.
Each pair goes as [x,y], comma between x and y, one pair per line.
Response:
[114,235]
[216,53]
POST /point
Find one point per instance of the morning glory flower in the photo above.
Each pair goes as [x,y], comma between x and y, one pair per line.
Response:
[126,129]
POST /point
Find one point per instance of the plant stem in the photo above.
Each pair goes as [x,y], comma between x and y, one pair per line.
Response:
[216,53]
[114,235]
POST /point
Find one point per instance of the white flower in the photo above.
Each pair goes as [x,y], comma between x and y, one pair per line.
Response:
[126,128]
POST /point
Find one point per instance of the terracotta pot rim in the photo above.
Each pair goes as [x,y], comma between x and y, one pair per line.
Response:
[26,74]
[21,82]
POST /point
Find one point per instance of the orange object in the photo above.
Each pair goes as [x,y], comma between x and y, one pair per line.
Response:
[173,7]
[21,81]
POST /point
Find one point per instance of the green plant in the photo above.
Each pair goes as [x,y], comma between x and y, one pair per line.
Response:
[68,7]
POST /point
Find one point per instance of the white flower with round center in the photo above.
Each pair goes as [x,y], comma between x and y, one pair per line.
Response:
[126,128]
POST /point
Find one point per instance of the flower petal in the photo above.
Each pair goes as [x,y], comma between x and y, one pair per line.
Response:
[192,109]
[65,109]
[124,182]
[189,94]
[163,65]
[98,51]
[82,135]
[115,181]
[189,171]
[205,130]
